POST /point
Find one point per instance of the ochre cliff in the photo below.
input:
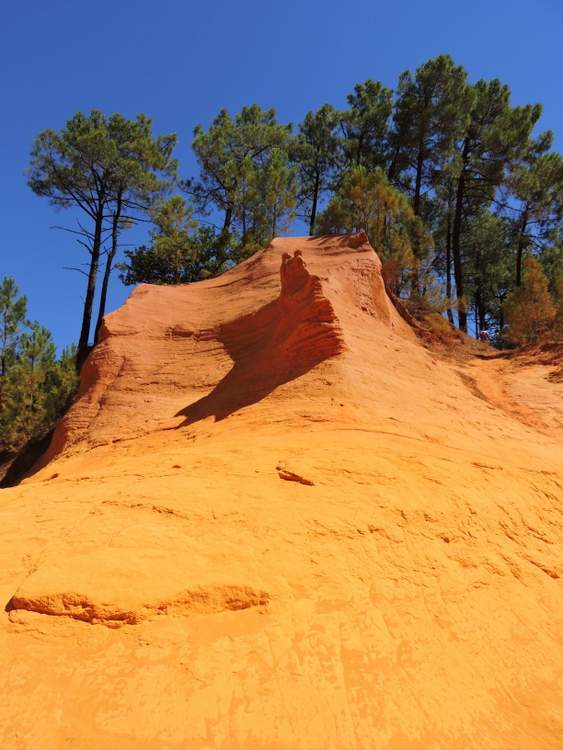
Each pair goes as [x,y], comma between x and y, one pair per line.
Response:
[276,520]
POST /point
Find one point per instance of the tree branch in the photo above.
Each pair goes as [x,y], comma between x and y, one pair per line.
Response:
[78,270]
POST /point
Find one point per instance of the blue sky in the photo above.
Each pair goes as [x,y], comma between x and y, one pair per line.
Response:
[180,61]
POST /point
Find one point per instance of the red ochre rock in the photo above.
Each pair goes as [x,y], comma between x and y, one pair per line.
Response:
[164,587]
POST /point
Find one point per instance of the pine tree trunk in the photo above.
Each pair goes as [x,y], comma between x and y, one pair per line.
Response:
[449,266]
[83,346]
[313,217]
[501,313]
[359,152]
[521,246]
[108,268]
[418,180]
[244,228]
[482,315]
[480,323]
[228,219]
[456,239]
[3,357]
[481,286]
[3,365]
[415,283]
[393,165]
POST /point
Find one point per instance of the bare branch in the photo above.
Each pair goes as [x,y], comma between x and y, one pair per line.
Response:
[73,231]
[78,270]
[86,231]
[85,245]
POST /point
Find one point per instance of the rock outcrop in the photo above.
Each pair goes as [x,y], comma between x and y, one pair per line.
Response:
[276,519]
[231,340]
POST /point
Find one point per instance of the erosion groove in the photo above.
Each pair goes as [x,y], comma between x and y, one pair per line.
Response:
[191,601]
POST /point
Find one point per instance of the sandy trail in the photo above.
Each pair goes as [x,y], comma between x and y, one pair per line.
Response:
[523,391]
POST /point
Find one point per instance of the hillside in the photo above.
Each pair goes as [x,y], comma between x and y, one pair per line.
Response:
[277,519]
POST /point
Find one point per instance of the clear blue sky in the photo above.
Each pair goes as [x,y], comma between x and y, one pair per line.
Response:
[180,61]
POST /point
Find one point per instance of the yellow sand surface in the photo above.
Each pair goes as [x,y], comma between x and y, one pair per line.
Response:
[276,520]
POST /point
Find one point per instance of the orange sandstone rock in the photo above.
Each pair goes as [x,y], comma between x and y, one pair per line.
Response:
[274,519]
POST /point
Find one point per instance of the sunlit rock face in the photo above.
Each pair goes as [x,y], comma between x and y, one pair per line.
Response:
[276,518]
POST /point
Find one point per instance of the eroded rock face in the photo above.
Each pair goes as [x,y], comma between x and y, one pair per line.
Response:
[263,324]
[274,519]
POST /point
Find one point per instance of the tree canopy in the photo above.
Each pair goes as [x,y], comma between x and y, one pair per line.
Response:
[453,184]
[530,309]
[110,170]
[179,250]
[35,386]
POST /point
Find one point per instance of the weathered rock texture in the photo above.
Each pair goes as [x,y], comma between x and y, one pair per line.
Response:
[275,520]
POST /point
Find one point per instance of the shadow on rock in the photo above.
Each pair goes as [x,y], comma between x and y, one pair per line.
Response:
[274,345]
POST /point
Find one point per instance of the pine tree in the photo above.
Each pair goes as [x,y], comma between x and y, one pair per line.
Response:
[13,312]
[364,126]
[101,167]
[495,135]
[232,155]
[12,318]
[181,250]
[530,311]
[488,260]
[277,184]
[35,388]
[442,233]
[558,321]
[551,258]
[61,384]
[366,201]
[27,395]
[430,112]
[142,171]
[536,182]
[315,151]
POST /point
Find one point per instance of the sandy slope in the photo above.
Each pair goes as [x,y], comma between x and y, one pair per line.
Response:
[275,520]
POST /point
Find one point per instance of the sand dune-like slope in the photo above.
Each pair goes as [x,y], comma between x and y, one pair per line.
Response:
[276,520]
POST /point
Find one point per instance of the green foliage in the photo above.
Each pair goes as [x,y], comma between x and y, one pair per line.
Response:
[268,198]
[274,198]
[365,124]
[488,266]
[494,134]
[110,169]
[94,157]
[35,387]
[447,177]
[551,258]
[245,175]
[530,310]
[12,319]
[558,321]
[315,152]
[366,201]
[181,249]
[430,112]
[536,181]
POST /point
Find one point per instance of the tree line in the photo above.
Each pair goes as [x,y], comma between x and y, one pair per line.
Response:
[36,386]
[454,185]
